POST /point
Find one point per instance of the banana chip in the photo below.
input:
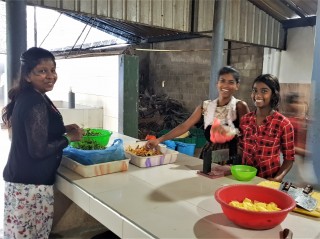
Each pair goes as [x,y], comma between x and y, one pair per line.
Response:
[255,205]
[143,151]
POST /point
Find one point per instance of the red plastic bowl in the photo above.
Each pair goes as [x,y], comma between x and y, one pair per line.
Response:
[252,219]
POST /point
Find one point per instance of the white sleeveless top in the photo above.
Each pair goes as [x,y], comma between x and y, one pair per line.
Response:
[226,114]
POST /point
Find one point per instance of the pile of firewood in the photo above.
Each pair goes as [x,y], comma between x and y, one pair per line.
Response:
[158,112]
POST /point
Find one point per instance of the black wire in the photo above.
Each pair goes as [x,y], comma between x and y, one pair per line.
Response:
[51,29]
[77,40]
[93,19]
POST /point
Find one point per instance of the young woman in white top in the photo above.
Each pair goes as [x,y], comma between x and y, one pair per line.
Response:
[226,108]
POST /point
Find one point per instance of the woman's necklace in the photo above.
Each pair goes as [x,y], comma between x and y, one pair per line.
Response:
[222,112]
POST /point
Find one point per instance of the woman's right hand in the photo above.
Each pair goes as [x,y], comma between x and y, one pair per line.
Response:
[152,143]
[75,134]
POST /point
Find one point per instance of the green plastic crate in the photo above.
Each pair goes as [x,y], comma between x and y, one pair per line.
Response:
[199,135]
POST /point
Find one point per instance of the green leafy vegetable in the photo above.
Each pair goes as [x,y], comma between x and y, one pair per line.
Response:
[88,144]
[90,132]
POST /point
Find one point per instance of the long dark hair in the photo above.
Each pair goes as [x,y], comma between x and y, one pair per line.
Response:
[28,61]
[273,83]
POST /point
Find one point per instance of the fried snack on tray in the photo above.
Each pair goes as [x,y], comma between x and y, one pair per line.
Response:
[143,151]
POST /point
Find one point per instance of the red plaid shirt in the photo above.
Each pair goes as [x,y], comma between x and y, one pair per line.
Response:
[261,145]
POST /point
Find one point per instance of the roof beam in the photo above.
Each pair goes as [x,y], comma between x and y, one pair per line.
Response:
[299,22]
[305,19]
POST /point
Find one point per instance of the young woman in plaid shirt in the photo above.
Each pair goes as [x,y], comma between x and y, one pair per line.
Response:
[265,133]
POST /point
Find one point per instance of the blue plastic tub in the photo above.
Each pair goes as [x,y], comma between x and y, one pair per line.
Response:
[170,144]
[186,148]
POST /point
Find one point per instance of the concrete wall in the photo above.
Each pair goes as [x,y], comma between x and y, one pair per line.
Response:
[296,62]
[294,66]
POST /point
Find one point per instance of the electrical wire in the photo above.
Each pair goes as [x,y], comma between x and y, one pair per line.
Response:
[77,40]
[51,29]
[85,38]
[194,50]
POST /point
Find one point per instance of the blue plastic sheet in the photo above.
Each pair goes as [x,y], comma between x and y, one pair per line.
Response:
[88,157]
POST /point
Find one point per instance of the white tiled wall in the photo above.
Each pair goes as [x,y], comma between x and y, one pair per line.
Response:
[86,118]
[95,81]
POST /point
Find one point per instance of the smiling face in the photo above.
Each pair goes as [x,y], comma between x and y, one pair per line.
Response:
[261,95]
[43,76]
[227,86]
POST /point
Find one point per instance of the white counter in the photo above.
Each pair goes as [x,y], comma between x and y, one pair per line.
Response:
[168,201]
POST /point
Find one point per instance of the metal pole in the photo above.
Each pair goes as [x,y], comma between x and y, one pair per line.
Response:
[217,45]
[16,18]
[313,135]
[35,28]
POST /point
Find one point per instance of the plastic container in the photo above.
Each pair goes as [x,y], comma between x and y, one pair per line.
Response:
[88,157]
[190,139]
[96,169]
[71,99]
[167,156]
[186,148]
[254,219]
[243,172]
[170,144]
[102,139]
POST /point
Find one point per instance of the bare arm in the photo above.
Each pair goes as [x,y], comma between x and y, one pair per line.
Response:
[242,109]
[302,152]
[284,169]
[179,130]
[288,153]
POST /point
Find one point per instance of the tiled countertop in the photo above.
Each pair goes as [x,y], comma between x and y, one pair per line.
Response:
[168,201]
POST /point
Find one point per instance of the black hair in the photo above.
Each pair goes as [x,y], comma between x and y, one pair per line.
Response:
[230,70]
[273,83]
[28,61]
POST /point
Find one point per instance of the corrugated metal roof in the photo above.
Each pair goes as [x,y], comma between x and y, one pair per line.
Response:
[283,10]
[132,32]
[244,23]
[291,13]
[261,22]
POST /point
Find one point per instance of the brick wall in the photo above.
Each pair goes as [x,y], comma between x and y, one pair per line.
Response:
[249,61]
[185,75]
